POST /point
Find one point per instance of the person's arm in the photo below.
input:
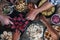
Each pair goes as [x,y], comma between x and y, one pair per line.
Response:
[49,4]
[45,6]
[1,13]
[51,30]
[4,18]
[16,35]
[33,13]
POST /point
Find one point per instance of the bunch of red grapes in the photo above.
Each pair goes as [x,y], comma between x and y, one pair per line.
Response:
[20,23]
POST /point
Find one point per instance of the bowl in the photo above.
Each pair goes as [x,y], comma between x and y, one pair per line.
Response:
[55,19]
[7,9]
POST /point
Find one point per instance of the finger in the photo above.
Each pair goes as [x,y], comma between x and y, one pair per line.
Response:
[27,18]
[16,30]
[11,22]
[8,17]
[27,14]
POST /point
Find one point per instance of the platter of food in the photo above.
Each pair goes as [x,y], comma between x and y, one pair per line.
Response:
[20,6]
[6,35]
[34,32]
[36,29]
[47,35]
[49,12]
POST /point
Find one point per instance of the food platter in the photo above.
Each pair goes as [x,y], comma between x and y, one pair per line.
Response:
[47,35]
[20,6]
[6,35]
[49,12]
[34,32]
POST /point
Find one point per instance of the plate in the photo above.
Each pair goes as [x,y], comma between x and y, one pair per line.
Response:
[34,32]
[6,35]
[49,12]
[7,9]
[20,6]
[41,2]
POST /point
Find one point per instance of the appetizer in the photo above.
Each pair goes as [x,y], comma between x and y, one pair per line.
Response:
[6,36]
[20,6]
[35,31]
[49,12]
[47,35]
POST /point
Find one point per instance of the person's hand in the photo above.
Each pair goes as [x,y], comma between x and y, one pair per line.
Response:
[32,14]
[16,35]
[5,20]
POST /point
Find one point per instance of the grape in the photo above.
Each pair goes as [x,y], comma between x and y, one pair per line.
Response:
[16,23]
[21,28]
[13,27]
[26,22]
[17,27]
[20,15]
[15,18]
[20,23]
[19,19]
[23,19]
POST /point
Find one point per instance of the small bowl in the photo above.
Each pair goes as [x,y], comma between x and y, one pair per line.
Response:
[8,9]
[20,6]
[55,19]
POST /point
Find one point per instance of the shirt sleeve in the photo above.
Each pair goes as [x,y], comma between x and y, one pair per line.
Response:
[54,2]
